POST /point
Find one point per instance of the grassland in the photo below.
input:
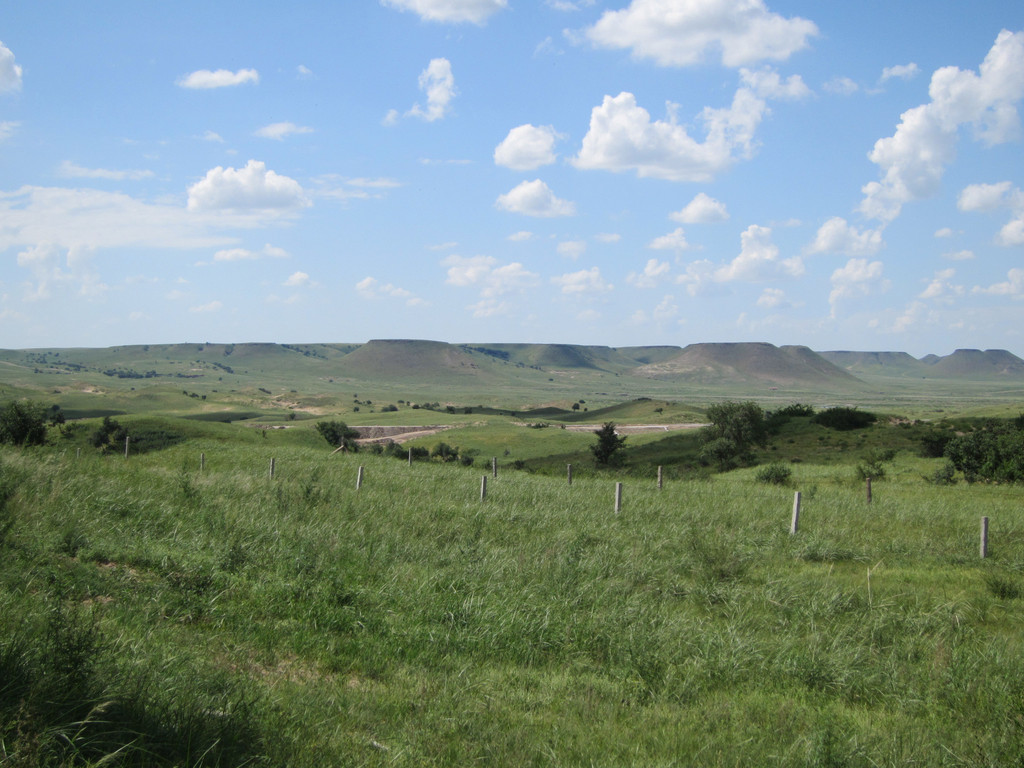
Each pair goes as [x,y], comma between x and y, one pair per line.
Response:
[156,614]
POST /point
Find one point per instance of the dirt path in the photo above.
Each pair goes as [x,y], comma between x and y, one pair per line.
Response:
[634,429]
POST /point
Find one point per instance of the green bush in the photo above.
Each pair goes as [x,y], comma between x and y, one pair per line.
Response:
[844,419]
[23,422]
[774,474]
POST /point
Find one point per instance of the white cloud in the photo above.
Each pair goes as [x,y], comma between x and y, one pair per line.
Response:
[838,236]
[212,136]
[758,259]
[572,249]
[535,198]
[438,83]
[684,32]
[454,11]
[72,170]
[843,86]
[244,254]
[701,210]
[772,298]
[991,197]
[675,240]
[213,306]
[492,281]
[1013,287]
[520,236]
[303,72]
[902,71]
[654,272]
[586,282]
[914,158]
[204,78]
[280,131]
[7,128]
[857,278]
[767,84]
[944,232]
[10,73]
[252,188]
[964,255]
[940,287]
[622,137]
[297,280]
[527,147]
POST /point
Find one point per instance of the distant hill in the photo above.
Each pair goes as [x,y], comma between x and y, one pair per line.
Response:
[750,362]
[968,364]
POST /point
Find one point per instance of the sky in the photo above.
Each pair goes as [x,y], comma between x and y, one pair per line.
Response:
[612,172]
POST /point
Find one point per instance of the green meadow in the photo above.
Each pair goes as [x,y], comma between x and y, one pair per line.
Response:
[161,612]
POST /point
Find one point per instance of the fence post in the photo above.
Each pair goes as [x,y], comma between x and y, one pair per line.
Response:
[984,537]
[618,498]
[410,457]
[869,490]
[568,471]
[359,478]
[483,487]
[494,466]
[796,513]
[127,439]
[659,477]
[202,461]
[271,469]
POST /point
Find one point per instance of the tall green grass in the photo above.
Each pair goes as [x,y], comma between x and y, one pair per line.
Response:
[154,614]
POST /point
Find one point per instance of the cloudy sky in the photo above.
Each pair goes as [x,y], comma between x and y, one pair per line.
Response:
[621,172]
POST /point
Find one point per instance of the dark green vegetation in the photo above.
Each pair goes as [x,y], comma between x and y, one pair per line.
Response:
[183,607]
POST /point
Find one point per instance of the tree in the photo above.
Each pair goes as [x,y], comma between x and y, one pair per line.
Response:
[23,422]
[734,430]
[339,434]
[606,450]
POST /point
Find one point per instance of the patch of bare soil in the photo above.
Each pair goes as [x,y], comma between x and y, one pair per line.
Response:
[635,429]
[396,434]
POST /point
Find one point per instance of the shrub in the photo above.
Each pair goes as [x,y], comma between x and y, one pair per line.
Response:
[844,419]
[607,449]
[338,434]
[23,423]
[774,474]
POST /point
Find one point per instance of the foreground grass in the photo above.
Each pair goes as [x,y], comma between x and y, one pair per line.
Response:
[156,615]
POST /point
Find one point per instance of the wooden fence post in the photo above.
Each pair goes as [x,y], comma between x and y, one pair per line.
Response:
[494,466]
[568,471]
[202,461]
[618,498]
[659,477]
[410,457]
[869,490]
[793,526]
[127,439]
[271,469]
[483,487]
[359,478]
[984,537]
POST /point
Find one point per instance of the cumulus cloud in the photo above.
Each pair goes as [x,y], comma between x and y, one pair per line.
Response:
[492,280]
[654,271]
[758,259]
[768,84]
[438,83]
[572,249]
[944,232]
[10,73]
[204,79]
[521,236]
[857,278]
[213,306]
[535,198]
[914,158]
[901,71]
[586,282]
[940,286]
[685,32]
[673,241]
[1012,287]
[450,11]
[701,210]
[838,236]
[622,137]
[245,254]
[297,280]
[527,147]
[991,197]
[371,288]
[252,188]
[772,298]
[7,128]
[280,131]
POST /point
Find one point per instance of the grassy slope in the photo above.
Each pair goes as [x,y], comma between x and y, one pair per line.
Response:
[409,624]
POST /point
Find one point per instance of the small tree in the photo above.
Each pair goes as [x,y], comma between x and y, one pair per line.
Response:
[23,423]
[609,444]
[734,430]
[339,434]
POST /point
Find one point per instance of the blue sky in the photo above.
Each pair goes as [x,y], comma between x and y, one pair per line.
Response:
[840,175]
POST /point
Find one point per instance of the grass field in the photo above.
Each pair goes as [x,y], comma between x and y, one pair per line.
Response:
[156,614]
